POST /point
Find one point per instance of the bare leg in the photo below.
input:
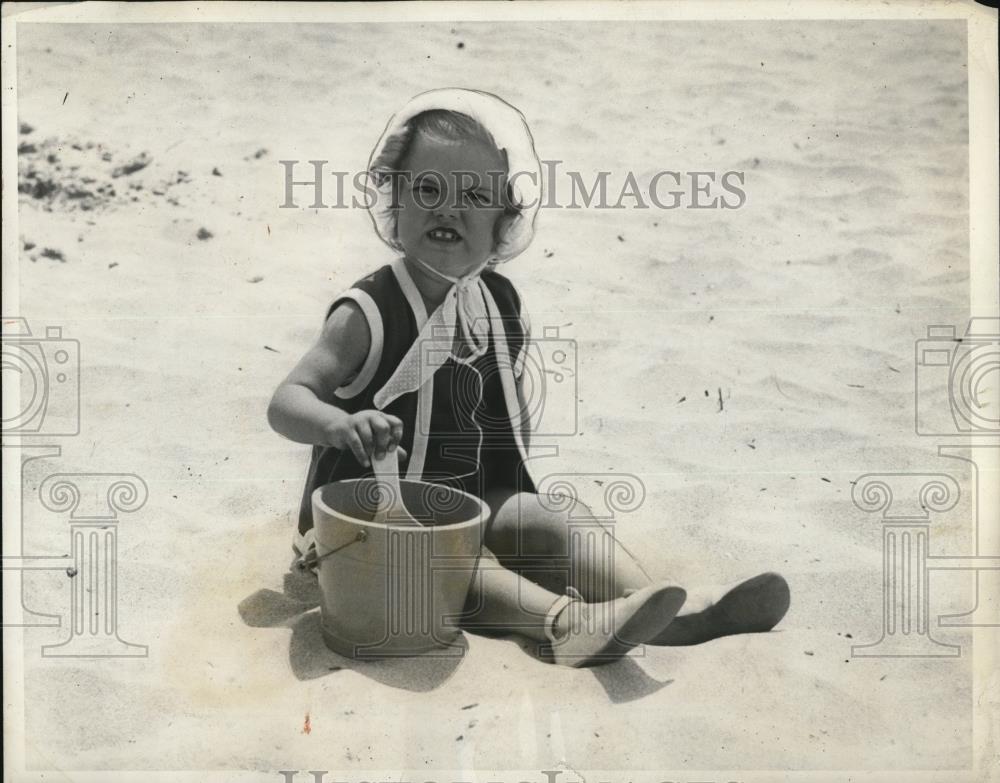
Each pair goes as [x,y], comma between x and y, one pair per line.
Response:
[559,544]
[501,601]
[577,633]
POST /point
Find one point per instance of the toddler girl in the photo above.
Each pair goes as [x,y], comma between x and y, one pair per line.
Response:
[423,358]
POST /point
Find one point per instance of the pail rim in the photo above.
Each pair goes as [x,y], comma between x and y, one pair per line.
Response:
[477,519]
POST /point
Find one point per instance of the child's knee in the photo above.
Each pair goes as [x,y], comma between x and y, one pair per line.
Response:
[545,524]
[529,525]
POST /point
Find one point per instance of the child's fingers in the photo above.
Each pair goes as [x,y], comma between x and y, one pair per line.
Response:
[364,431]
[380,431]
[395,430]
[357,447]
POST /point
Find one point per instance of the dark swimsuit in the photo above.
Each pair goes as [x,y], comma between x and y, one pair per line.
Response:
[466,399]
[471,445]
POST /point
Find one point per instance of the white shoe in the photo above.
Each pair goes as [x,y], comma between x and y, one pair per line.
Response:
[604,632]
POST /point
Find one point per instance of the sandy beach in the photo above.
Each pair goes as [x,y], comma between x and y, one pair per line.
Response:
[745,365]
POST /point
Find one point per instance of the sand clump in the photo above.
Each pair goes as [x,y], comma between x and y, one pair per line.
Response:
[64,174]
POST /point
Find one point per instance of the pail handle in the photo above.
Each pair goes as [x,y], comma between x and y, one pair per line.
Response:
[312,557]
[390,495]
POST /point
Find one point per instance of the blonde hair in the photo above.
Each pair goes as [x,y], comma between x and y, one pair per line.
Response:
[442,125]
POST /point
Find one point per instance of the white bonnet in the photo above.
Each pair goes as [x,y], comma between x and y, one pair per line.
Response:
[510,132]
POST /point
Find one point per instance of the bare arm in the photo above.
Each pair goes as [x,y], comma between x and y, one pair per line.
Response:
[303,407]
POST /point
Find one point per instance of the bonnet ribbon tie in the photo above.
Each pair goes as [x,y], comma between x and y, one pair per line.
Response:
[465,308]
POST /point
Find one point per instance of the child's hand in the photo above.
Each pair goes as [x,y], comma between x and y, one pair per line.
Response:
[367,433]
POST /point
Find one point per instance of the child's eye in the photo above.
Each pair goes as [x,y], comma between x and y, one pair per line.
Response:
[426,187]
[478,198]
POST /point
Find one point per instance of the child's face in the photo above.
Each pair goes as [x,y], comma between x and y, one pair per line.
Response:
[449,203]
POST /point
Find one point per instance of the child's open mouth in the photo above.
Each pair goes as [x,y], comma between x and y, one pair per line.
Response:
[447,235]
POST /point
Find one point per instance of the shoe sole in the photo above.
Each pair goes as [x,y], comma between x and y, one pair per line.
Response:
[754,606]
[655,614]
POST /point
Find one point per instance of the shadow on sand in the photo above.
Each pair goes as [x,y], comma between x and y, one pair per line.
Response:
[297,608]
